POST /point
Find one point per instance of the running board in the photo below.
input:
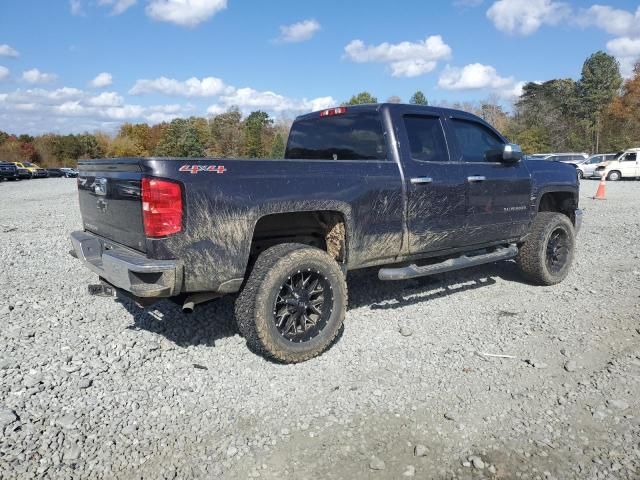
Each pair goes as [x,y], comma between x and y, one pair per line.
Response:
[463,261]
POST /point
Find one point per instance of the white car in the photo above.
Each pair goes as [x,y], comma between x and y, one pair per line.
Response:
[587,168]
[627,165]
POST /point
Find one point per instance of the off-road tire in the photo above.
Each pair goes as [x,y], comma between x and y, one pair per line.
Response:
[254,307]
[614,176]
[532,255]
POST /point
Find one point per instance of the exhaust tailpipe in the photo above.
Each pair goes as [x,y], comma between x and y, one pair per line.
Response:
[191,301]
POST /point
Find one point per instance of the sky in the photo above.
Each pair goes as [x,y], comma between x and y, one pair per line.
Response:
[69,66]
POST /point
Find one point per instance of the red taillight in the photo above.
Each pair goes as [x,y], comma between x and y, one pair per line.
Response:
[161,207]
[330,112]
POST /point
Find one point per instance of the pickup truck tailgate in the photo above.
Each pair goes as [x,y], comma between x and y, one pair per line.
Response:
[110,199]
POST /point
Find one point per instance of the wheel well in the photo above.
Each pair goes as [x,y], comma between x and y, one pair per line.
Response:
[561,202]
[322,229]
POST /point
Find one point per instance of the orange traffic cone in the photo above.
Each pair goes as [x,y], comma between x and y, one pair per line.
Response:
[600,192]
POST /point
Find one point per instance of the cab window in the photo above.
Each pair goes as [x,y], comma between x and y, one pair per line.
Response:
[426,138]
[630,157]
[477,142]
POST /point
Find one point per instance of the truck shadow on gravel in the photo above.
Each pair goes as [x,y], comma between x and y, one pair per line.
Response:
[215,321]
[394,295]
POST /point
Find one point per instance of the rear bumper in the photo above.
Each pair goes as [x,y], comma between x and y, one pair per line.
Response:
[126,269]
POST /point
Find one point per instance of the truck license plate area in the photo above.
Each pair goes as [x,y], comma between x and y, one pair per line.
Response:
[102,290]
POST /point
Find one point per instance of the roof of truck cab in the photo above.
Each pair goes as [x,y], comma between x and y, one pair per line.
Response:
[392,106]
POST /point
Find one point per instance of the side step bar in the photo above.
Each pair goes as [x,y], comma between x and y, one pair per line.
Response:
[463,261]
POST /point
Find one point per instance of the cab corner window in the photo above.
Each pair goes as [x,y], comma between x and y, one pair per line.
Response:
[477,142]
[426,138]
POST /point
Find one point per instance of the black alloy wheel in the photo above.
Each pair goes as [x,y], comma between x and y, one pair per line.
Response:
[303,306]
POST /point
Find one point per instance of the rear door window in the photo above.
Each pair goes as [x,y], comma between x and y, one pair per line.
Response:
[352,136]
[426,138]
[477,142]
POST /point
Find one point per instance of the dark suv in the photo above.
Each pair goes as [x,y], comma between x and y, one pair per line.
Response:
[8,171]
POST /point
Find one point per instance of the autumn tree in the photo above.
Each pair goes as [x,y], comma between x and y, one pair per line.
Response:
[226,134]
[621,122]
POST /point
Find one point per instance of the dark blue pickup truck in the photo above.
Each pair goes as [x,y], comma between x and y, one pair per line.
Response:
[414,190]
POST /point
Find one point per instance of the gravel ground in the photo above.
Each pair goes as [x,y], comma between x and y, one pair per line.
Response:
[93,388]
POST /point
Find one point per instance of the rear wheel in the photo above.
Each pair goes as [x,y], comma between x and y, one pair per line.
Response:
[293,304]
[614,176]
[547,254]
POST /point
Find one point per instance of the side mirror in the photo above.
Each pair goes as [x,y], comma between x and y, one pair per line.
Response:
[511,153]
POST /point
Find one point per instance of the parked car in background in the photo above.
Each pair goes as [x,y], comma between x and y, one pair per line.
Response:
[538,156]
[23,173]
[8,171]
[69,172]
[626,165]
[55,172]
[35,170]
[587,168]
[568,157]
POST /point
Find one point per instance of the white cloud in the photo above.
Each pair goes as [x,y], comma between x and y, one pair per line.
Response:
[627,51]
[515,91]
[103,79]
[7,51]
[248,99]
[474,76]
[193,87]
[36,76]
[106,99]
[524,17]
[299,32]
[72,110]
[405,59]
[623,24]
[186,13]
[611,20]
[4,72]
[119,6]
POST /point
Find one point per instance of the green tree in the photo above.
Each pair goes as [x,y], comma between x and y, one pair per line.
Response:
[180,140]
[599,85]
[277,146]
[254,127]
[360,98]
[418,98]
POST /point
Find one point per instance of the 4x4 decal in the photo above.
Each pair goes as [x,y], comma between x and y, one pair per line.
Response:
[193,169]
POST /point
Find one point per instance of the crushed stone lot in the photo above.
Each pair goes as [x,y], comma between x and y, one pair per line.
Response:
[94,388]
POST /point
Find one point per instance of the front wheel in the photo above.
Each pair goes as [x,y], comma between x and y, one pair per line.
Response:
[614,176]
[547,254]
[293,303]
[580,175]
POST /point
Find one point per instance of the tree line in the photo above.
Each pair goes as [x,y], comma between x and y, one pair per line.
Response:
[597,113]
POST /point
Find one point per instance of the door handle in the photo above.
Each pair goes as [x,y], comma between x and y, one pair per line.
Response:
[476,178]
[421,180]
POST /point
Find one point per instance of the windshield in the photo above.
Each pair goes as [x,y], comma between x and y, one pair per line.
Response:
[29,164]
